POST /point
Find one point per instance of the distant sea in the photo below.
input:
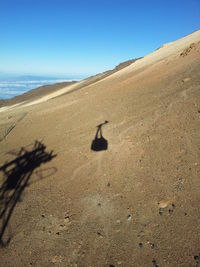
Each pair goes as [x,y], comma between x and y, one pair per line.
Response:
[14,86]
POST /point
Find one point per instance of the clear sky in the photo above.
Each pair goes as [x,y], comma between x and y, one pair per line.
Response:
[85,37]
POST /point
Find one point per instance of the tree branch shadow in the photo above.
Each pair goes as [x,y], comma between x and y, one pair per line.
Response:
[16,177]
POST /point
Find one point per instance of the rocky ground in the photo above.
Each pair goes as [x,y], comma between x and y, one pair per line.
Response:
[136,203]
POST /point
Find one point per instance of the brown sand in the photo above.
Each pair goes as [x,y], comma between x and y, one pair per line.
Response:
[136,203]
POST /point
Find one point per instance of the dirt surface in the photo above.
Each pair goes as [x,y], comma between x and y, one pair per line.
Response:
[131,200]
[45,90]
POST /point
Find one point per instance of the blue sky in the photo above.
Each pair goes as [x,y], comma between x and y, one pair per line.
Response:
[63,37]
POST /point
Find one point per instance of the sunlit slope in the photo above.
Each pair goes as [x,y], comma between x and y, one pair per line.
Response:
[132,204]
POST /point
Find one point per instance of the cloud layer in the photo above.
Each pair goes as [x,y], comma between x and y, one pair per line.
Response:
[9,89]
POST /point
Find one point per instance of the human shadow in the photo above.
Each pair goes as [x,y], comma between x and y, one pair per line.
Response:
[99,143]
[16,177]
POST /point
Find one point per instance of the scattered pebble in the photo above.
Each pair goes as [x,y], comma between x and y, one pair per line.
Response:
[99,234]
[186,80]
[108,184]
[43,215]
[163,204]
[67,219]
[118,221]
[58,233]
[56,259]
[154,263]
[152,245]
[129,217]
[170,211]
[172,208]
[197,259]
[160,211]
[140,245]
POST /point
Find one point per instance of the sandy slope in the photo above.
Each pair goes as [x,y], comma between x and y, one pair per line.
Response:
[134,204]
[162,53]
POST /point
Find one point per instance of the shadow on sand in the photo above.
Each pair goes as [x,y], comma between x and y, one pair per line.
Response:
[16,177]
[99,143]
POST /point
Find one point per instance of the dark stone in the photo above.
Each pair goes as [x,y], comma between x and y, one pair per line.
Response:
[140,245]
[152,245]
[160,211]
[154,263]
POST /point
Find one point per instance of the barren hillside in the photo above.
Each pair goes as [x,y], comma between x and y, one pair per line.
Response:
[107,173]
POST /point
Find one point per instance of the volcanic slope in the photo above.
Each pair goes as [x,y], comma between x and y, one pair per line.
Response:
[125,193]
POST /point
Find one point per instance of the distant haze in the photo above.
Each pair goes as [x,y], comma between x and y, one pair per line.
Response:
[11,86]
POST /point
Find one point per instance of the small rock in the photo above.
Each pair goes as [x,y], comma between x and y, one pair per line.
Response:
[129,217]
[163,204]
[170,211]
[58,233]
[152,245]
[108,184]
[160,211]
[186,80]
[56,259]
[67,219]
[43,215]
[140,245]
[118,221]
[99,234]
[154,263]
